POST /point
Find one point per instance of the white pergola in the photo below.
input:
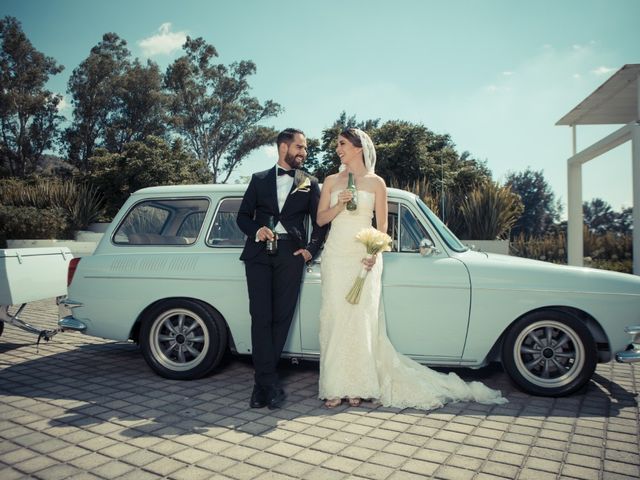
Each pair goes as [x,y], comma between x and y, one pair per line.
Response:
[616,101]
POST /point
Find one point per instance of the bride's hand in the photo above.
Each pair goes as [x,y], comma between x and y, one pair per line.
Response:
[344,197]
[369,262]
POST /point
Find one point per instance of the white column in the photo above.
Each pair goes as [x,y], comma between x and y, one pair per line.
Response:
[635,158]
[575,247]
[575,241]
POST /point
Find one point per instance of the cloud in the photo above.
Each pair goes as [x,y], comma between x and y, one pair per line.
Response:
[602,70]
[63,104]
[271,151]
[507,73]
[164,42]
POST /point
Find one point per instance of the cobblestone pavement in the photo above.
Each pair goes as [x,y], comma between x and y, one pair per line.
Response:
[80,407]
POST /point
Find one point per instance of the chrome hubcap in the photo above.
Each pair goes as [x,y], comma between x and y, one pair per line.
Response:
[549,353]
[179,339]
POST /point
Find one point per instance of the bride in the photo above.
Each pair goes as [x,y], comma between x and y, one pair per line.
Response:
[357,360]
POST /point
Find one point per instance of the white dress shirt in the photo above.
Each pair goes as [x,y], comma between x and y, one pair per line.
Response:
[283,186]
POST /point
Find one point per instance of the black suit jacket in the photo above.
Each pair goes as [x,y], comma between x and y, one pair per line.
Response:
[260,201]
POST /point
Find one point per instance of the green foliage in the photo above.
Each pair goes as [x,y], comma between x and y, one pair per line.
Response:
[212,110]
[406,153]
[32,223]
[486,212]
[609,251]
[79,202]
[28,112]
[541,210]
[489,212]
[599,217]
[140,106]
[93,86]
[143,164]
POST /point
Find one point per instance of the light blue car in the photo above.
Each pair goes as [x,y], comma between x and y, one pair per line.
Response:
[167,275]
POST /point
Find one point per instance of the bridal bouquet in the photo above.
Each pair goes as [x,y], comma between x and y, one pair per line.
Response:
[374,241]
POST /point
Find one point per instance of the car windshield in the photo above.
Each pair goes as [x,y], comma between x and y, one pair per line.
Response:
[447,235]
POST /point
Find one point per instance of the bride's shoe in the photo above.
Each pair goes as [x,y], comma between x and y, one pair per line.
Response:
[355,402]
[333,402]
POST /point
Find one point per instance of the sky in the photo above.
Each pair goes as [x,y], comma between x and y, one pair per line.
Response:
[496,75]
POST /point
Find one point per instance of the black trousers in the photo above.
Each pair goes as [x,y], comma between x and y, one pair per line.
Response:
[273,282]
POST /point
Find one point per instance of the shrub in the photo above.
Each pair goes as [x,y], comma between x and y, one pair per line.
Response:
[489,212]
[486,212]
[610,251]
[78,202]
[32,223]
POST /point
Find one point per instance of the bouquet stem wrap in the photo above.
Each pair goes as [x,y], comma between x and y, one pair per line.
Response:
[374,241]
[353,296]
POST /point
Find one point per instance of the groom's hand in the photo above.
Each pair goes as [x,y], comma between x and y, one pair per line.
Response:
[263,234]
[305,253]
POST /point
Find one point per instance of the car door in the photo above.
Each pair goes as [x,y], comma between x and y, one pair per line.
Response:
[426,298]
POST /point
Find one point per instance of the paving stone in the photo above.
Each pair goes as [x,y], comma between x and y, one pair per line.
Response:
[500,469]
[293,468]
[319,473]
[243,471]
[575,471]
[123,421]
[112,469]
[622,468]
[342,464]
[454,473]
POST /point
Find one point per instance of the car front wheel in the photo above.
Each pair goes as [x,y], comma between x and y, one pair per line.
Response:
[549,353]
[182,339]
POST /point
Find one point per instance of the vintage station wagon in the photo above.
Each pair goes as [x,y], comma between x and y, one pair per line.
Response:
[167,275]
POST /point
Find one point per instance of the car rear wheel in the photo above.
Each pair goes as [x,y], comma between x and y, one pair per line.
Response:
[182,339]
[549,353]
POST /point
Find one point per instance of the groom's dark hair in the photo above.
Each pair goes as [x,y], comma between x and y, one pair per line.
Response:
[286,136]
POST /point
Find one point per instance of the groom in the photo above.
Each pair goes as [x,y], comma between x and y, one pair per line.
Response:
[288,195]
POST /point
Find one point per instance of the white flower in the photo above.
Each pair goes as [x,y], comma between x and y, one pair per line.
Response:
[303,187]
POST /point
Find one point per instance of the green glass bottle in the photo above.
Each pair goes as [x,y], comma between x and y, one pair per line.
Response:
[272,245]
[351,186]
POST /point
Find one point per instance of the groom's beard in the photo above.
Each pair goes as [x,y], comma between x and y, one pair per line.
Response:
[294,161]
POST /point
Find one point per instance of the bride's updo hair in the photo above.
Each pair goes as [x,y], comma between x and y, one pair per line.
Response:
[353,137]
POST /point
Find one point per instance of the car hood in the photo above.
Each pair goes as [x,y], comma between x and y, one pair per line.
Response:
[489,270]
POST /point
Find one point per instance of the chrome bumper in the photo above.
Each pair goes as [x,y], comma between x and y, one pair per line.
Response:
[70,323]
[66,321]
[632,352]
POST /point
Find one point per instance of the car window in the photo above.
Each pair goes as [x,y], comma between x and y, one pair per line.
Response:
[224,231]
[411,231]
[162,222]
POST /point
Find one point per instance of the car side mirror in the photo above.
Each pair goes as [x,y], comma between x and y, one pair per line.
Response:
[427,248]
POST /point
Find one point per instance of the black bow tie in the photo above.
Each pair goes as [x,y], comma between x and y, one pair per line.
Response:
[282,171]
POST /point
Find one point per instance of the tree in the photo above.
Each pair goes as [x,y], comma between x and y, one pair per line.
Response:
[29,118]
[623,221]
[139,109]
[541,210]
[599,217]
[212,110]
[93,86]
[406,153]
[143,164]
[325,160]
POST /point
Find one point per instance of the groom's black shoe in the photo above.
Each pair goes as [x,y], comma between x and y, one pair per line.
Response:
[258,397]
[275,397]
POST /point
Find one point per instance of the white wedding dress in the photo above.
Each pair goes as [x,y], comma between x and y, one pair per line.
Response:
[356,357]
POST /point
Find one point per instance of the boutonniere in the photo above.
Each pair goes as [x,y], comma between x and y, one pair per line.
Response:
[304,186]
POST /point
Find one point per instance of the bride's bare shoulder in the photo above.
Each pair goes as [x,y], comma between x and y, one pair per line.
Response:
[330,179]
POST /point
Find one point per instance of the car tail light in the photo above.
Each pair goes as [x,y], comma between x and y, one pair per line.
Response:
[73,264]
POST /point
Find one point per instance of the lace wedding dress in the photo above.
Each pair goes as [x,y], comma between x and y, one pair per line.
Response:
[357,358]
